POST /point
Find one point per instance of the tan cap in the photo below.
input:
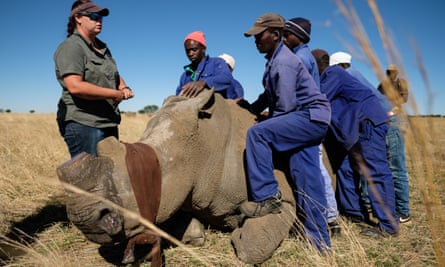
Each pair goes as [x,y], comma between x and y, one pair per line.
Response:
[392,67]
[268,20]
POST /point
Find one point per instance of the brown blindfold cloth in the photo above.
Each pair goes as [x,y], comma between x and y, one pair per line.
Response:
[144,171]
[90,7]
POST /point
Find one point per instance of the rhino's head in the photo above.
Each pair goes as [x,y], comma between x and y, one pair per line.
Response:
[88,184]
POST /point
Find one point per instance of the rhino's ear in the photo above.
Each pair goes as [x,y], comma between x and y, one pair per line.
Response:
[206,103]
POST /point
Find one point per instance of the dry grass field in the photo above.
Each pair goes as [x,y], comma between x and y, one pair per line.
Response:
[34,230]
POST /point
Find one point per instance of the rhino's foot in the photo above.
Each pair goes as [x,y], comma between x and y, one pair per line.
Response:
[258,238]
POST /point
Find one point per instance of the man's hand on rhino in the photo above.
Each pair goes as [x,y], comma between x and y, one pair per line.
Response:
[192,89]
[244,104]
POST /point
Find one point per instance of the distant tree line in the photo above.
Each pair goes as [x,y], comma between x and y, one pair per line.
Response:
[9,111]
[154,108]
[429,116]
[148,109]
[145,110]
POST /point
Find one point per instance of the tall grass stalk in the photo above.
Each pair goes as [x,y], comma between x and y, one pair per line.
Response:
[416,141]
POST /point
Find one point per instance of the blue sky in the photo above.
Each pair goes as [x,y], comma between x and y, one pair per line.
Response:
[146,39]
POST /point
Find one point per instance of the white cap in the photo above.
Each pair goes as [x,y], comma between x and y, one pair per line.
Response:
[339,57]
[229,60]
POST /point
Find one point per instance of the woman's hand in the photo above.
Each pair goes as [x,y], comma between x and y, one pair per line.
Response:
[128,93]
[119,95]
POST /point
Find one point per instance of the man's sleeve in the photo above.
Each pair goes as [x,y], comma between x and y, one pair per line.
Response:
[221,77]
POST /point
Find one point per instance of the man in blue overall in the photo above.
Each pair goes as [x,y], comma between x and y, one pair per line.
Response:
[298,119]
[203,72]
[358,131]
[394,138]
[238,90]
[297,32]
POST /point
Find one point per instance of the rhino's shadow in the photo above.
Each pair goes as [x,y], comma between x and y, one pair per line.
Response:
[25,231]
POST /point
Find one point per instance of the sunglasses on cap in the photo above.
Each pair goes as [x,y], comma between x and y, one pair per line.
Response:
[92,16]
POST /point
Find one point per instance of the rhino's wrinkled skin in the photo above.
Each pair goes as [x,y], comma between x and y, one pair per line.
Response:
[199,143]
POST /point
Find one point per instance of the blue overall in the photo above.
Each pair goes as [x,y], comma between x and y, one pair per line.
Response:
[215,72]
[358,130]
[299,117]
[309,61]
[304,53]
[238,90]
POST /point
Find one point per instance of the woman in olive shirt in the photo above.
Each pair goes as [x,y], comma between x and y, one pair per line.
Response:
[92,87]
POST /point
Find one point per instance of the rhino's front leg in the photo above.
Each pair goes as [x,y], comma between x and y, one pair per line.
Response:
[194,234]
[258,238]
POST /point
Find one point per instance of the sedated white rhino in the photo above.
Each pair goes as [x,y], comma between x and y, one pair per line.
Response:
[199,143]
